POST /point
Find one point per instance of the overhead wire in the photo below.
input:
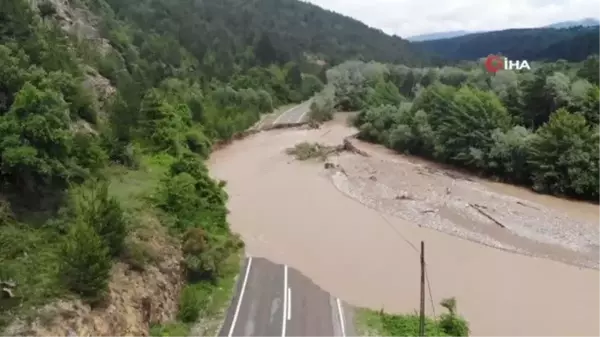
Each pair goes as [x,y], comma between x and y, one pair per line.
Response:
[414,247]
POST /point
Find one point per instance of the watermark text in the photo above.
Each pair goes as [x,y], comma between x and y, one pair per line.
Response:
[494,63]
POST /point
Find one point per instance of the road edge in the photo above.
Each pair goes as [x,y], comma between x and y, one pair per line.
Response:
[226,324]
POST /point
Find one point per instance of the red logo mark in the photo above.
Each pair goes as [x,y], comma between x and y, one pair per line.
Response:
[493,63]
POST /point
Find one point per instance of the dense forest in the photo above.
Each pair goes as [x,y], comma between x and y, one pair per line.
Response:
[108,110]
[537,128]
[541,44]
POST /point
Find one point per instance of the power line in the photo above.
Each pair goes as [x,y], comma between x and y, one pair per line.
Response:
[417,251]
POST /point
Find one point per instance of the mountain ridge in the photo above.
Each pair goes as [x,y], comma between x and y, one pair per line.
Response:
[585,22]
[541,44]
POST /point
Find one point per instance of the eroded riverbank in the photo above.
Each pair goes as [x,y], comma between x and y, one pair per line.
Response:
[358,244]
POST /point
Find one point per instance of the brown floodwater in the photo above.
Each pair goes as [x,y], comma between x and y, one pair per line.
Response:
[356,233]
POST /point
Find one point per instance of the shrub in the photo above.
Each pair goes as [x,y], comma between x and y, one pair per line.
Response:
[205,254]
[323,105]
[198,143]
[193,299]
[450,322]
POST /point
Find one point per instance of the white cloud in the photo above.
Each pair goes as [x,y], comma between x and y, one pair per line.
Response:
[411,17]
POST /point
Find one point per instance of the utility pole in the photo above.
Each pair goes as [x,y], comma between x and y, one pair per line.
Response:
[422,313]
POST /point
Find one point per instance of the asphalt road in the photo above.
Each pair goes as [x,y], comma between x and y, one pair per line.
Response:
[296,114]
[275,300]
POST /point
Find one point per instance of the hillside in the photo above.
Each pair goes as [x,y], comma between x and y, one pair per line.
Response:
[438,35]
[572,44]
[110,222]
[587,22]
[294,28]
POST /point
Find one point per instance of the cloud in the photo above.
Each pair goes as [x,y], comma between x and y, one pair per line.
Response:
[412,17]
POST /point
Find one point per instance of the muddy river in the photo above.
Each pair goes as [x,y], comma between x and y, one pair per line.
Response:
[517,262]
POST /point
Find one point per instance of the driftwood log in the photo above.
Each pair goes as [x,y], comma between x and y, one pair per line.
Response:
[479,209]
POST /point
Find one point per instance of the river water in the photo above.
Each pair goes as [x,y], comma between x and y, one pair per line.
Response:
[517,262]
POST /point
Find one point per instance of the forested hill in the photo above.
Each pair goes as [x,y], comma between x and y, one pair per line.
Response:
[571,44]
[108,110]
[295,29]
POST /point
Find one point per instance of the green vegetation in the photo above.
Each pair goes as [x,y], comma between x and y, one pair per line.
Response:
[91,170]
[537,128]
[572,44]
[378,323]
[106,125]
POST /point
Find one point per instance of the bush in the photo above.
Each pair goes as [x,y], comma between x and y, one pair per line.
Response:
[310,85]
[198,143]
[88,152]
[448,324]
[85,264]
[194,298]
[322,107]
[205,254]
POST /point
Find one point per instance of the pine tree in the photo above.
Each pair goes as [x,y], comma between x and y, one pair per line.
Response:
[86,262]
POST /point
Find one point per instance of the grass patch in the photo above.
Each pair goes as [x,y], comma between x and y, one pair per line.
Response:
[306,150]
[29,258]
[378,323]
[171,329]
[130,187]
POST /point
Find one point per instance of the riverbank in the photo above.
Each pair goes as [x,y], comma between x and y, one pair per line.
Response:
[363,255]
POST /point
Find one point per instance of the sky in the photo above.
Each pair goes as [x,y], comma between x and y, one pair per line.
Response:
[407,18]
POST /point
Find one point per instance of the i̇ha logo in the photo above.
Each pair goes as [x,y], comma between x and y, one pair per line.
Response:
[493,63]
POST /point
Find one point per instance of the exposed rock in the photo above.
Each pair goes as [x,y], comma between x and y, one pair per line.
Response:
[81,23]
[135,300]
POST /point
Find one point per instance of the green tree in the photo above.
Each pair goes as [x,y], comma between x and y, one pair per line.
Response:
[464,133]
[589,107]
[36,144]
[589,69]
[103,213]
[265,52]
[310,85]
[85,262]
[564,156]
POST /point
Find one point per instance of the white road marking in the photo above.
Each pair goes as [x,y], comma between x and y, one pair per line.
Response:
[291,109]
[285,293]
[283,113]
[239,303]
[341,313]
[304,113]
[289,303]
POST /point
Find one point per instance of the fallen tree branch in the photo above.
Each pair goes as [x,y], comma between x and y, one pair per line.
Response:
[478,209]
[348,146]
[526,205]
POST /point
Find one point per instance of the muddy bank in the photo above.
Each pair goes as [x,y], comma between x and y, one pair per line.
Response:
[358,244]
[463,206]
